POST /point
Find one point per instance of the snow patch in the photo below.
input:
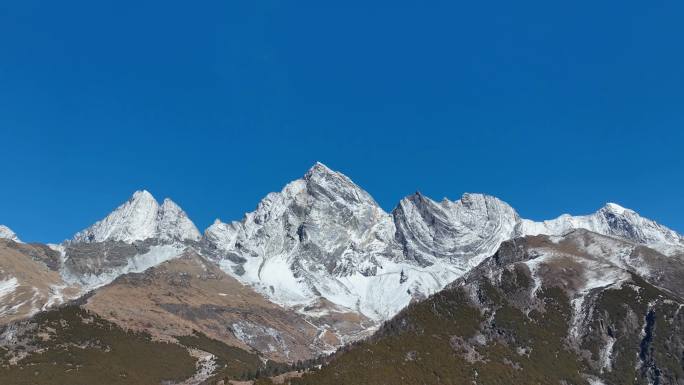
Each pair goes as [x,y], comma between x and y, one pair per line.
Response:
[8,286]
[595,381]
[606,353]
[139,263]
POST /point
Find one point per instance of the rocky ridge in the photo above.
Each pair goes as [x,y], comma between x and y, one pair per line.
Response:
[320,250]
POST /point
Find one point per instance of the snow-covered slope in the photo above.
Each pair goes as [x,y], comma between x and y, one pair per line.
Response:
[614,220]
[140,218]
[137,235]
[323,237]
[7,233]
[324,240]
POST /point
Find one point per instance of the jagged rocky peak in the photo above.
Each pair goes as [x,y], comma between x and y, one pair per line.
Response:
[326,183]
[324,208]
[299,242]
[141,218]
[323,237]
[629,224]
[467,229]
[7,233]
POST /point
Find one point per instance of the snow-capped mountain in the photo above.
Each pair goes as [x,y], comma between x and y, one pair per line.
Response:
[141,218]
[462,232]
[324,240]
[7,233]
[137,235]
[322,247]
[320,237]
[323,237]
[614,220]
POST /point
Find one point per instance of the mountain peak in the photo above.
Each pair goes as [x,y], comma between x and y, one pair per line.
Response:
[613,220]
[319,169]
[322,182]
[7,233]
[615,208]
[169,204]
[415,197]
[142,194]
[173,223]
[140,218]
[472,199]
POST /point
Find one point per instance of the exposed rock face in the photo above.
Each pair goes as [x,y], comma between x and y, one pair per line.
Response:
[141,218]
[92,265]
[571,309]
[462,232]
[138,235]
[313,240]
[323,218]
[323,237]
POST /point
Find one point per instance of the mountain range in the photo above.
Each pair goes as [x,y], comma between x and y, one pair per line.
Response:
[320,265]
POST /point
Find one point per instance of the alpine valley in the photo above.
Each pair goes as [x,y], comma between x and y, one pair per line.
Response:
[319,285]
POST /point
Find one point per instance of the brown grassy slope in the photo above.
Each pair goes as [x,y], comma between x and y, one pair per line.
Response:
[37,282]
[191,293]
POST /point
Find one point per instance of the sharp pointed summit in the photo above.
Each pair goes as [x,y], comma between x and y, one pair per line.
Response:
[141,218]
[320,168]
[304,239]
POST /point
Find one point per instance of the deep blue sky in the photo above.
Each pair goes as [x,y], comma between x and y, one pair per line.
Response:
[553,107]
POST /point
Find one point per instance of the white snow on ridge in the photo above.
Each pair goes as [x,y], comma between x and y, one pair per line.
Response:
[140,218]
[612,220]
[7,233]
[324,237]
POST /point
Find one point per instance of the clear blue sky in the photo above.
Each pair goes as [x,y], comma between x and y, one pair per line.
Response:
[553,107]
